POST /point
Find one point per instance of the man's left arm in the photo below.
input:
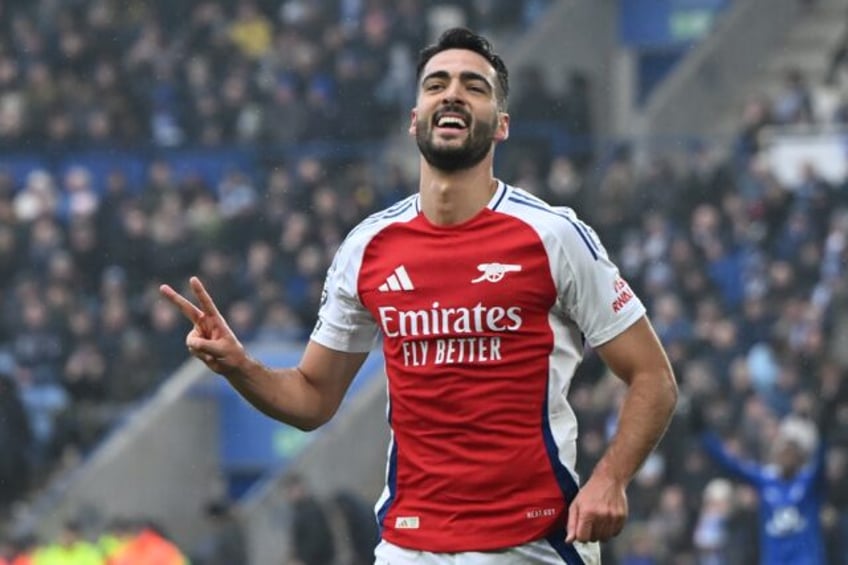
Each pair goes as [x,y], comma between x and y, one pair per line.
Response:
[599,510]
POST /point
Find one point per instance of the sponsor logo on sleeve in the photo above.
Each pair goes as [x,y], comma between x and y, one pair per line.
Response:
[623,294]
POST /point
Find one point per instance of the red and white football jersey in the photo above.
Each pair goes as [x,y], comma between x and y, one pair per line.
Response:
[482,326]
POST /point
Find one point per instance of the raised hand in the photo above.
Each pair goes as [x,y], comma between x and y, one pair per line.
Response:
[211,340]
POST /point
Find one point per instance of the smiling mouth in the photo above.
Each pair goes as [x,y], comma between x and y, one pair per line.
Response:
[451,121]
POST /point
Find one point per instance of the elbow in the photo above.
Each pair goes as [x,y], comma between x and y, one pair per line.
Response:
[312,422]
[310,426]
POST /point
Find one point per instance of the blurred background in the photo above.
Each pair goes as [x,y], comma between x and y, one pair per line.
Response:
[143,141]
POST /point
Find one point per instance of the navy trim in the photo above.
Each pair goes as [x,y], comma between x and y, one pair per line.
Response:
[584,230]
[571,221]
[391,480]
[527,197]
[394,213]
[567,485]
[387,214]
[565,550]
[515,198]
[504,192]
[565,480]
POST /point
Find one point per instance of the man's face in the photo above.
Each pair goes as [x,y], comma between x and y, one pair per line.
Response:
[788,456]
[456,118]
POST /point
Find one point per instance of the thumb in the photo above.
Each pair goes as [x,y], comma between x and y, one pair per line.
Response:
[571,528]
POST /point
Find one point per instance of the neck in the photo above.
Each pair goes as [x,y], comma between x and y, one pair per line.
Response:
[453,198]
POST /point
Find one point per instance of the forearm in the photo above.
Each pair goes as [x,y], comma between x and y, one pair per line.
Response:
[645,415]
[286,394]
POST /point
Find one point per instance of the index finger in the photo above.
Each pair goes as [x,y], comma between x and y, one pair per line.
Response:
[206,303]
[189,310]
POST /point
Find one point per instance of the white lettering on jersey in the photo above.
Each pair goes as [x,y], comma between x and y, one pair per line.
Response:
[439,321]
[448,351]
[540,513]
[785,520]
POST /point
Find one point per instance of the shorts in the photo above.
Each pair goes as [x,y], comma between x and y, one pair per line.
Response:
[540,552]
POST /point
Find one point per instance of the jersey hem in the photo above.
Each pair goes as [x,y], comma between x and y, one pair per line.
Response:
[617,330]
[465,544]
[339,345]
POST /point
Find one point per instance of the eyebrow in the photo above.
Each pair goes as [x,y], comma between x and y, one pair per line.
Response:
[464,76]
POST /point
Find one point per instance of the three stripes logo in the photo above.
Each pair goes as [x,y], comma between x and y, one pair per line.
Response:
[397,281]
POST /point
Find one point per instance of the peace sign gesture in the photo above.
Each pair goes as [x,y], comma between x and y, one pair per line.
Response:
[211,340]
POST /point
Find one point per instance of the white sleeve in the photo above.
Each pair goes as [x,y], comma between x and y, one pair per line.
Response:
[344,324]
[591,290]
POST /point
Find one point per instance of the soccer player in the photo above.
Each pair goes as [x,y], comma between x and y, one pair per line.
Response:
[484,296]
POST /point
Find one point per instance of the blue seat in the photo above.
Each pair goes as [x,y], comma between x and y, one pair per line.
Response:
[103,163]
[19,166]
[210,165]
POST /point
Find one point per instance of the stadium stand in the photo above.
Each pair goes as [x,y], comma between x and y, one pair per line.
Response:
[136,150]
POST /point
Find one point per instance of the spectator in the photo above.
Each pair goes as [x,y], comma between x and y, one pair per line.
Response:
[225,544]
[310,534]
[790,494]
[712,529]
[793,105]
[359,532]
[24,547]
[251,31]
[147,545]
[15,437]
[71,548]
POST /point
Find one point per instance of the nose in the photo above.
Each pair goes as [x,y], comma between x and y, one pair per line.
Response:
[451,94]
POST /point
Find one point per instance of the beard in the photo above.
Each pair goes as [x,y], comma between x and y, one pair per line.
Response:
[451,158]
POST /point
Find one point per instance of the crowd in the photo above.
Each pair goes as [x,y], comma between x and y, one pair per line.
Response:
[104,73]
[96,211]
[121,543]
[82,243]
[744,277]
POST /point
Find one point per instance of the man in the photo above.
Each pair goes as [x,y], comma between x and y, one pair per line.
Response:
[15,436]
[72,548]
[483,295]
[145,544]
[790,489]
[311,533]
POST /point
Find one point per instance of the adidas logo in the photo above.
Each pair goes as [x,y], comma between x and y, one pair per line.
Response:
[407,523]
[399,280]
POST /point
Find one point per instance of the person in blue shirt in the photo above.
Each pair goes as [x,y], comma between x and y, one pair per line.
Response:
[790,488]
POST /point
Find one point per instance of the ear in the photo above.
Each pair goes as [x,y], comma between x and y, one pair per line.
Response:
[502,131]
[413,122]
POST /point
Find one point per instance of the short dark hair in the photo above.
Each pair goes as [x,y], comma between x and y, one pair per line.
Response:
[464,38]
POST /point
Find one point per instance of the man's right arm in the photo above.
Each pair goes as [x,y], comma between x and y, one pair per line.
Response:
[306,396]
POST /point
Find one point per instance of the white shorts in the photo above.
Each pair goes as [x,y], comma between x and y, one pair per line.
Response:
[540,552]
